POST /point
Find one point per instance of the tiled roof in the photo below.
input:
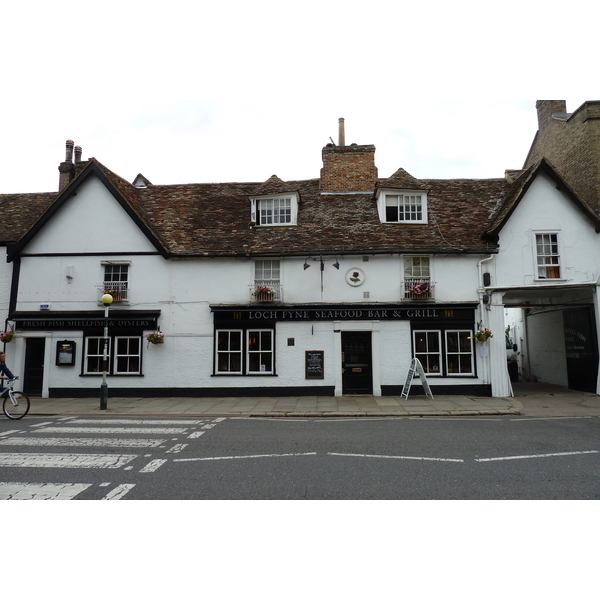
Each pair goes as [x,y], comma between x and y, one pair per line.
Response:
[518,188]
[401,179]
[18,212]
[214,219]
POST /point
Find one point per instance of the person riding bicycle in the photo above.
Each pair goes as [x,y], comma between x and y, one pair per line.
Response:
[5,372]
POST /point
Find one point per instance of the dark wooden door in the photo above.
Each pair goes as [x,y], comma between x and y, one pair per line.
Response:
[33,377]
[582,349]
[357,368]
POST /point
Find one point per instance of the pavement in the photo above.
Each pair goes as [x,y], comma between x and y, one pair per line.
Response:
[530,400]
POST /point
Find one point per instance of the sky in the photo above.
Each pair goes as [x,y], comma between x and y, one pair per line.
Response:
[192,92]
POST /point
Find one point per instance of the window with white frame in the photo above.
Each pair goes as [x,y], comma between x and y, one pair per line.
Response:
[128,355]
[450,355]
[399,206]
[229,352]
[260,351]
[417,277]
[428,349]
[251,352]
[124,355]
[116,280]
[459,352]
[547,256]
[94,353]
[281,209]
[267,279]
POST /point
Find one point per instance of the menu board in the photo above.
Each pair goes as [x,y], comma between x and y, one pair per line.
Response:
[314,364]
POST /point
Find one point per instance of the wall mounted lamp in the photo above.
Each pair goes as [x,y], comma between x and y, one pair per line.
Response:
[322,260]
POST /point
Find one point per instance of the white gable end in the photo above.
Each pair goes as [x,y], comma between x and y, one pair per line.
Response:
[91,221]
[545,210]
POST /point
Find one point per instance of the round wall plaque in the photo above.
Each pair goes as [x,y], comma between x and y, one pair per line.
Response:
[355,277]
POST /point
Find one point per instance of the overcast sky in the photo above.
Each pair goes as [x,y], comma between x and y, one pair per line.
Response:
[237,91]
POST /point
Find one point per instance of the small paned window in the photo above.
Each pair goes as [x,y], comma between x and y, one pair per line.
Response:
[229,352]
[260,351]
[548,256]
[403,207]
[128,357]
[428,349]
[448,355]
[275,211]
[250,352]
[266,271]
[94,353]
[116,278]
[459,352]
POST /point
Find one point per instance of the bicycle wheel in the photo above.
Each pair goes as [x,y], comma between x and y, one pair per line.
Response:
[16,408]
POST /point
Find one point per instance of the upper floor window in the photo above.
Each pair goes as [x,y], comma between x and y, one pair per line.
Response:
[417,277]
[275,210]
[267,280]
[547,256]
[116,280]
[398,206]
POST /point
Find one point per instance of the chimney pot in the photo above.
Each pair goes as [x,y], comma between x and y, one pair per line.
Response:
[69,151]
[78,154]
[342,133]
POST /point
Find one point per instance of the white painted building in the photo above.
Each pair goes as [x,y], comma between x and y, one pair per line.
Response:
[327,286]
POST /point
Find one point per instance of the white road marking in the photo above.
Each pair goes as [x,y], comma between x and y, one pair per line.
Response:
[459,460]
[196,434]
[68,461]
[40,491]
[119,491]
[10,431]
[105,484]
[85,442]
[141,421]
[176,449]
[245,456]
[42,424]
[536,456]
[148,430]
[153,465]
[549,418]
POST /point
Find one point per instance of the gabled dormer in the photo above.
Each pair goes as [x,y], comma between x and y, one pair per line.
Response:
[401,199]
[274,204]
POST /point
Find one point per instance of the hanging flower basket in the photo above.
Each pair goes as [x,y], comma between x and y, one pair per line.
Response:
[156,337]
[483,335]
[6,336]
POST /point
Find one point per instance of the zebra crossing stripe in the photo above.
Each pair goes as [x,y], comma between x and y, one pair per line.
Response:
[147,430]
[40,491]
[83,442]
[153,465]
[68,461]
[119,491]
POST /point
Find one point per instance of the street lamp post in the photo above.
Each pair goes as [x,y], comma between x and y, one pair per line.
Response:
[107,301]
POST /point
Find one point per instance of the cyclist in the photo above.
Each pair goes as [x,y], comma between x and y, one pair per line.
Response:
[4,370]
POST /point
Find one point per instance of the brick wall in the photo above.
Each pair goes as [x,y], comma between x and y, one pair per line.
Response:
[571,144]
[348,168]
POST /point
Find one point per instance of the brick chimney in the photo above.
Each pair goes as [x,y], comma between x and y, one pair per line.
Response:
[547,108]
[66,168]
[348,168]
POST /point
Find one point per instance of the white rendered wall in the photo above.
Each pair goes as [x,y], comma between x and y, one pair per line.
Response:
[91,221]
[543,209]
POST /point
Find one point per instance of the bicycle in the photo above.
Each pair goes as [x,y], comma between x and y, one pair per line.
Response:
[16,404]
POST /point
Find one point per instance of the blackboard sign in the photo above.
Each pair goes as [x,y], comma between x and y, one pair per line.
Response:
[314,364]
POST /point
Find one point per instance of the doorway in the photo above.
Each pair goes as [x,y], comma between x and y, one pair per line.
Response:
[357,367]
[33,379]
[581,349]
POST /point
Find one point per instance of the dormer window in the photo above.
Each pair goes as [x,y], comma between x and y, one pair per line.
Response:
[280,209]
[402,206]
